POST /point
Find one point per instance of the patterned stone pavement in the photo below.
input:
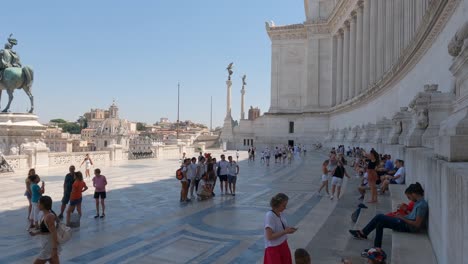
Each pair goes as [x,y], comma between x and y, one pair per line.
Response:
[145,223]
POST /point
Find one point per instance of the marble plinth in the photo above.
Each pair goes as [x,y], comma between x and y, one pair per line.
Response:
[15,128]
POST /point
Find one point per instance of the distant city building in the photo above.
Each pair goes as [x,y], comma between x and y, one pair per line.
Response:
[58,141]
[254,113]
[164,120]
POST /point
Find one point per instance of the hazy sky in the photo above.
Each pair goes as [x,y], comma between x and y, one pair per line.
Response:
[87,53]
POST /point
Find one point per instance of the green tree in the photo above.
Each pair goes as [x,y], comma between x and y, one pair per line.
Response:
[83,122]
[141,126]
[72,128]
[58,121]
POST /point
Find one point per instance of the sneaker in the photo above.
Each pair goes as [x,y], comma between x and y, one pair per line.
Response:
[332,197]
[103,215]
[213,194]
[96,216]
[233,194]
[357,235]
[60,216]
[188,200]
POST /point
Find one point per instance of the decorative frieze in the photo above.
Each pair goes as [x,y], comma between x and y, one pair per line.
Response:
[420,117]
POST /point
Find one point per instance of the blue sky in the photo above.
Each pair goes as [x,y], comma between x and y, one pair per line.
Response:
[87,53]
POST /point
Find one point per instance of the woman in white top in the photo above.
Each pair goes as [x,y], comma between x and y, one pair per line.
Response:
[276,231]
[88,163]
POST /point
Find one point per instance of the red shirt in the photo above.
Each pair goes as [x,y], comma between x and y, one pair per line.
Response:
[77,190]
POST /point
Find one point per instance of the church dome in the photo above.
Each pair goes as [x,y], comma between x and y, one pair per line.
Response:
[113,127]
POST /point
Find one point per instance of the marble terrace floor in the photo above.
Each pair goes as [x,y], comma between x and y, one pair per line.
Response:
[145,223]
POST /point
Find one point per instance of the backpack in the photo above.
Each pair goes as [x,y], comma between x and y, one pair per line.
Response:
[179,174]
[355,215]
[64,233]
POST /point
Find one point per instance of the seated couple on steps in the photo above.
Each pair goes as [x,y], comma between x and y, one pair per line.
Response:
[414,222]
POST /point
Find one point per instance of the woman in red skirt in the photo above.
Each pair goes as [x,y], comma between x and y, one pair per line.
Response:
[276,231]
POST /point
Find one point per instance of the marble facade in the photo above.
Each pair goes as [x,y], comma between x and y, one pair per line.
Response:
[376,73]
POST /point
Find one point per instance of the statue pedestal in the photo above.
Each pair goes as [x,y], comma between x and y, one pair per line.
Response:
[15,128]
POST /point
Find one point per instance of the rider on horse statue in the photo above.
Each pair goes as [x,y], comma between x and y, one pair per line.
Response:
[8,57]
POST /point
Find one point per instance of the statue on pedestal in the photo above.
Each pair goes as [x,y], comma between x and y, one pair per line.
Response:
[13,76]
[229,69]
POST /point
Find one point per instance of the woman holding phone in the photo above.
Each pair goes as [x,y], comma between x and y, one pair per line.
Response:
[276,232]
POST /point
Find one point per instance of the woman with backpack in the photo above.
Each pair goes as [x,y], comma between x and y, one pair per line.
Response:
[50,247]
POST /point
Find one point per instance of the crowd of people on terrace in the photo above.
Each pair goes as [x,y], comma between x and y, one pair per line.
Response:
[376,172]
[43,221]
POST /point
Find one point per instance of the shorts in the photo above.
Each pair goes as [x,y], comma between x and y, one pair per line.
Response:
[46,248]
[66,198]
[28,195]
[223,177]
[232,179]
[337,181]
[76,202]
[325,178]
[393,182]
[100,194]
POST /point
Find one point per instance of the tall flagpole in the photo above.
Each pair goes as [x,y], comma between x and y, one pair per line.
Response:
[178,107]
[211,115]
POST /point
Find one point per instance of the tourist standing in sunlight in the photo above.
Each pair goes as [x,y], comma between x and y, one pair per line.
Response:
[276,232]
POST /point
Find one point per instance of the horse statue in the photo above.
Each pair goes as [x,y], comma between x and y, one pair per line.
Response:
[13,75]
[17,78]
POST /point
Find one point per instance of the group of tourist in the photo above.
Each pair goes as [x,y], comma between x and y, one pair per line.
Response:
[43,220]
[200,175]
[282,154]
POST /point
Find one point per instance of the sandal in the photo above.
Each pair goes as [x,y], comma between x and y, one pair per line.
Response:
[103,215]
[96,216]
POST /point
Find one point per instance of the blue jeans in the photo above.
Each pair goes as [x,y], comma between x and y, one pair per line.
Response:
[379,222]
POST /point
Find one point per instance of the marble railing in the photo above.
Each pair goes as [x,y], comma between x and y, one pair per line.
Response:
[18,162]
[76,158]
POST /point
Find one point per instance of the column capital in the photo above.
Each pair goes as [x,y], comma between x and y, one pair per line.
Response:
[353,16]
[346,25]
[340,32]
[359,4]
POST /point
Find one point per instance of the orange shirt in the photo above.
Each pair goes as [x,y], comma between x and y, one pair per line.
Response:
[76,190]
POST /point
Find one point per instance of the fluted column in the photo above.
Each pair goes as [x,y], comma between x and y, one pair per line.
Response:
[339,67]
[406,22]
[365,44]
[345,87]
[380,39]
[389,18]
[373,40]
[359,42]
[397,23]
[352,54]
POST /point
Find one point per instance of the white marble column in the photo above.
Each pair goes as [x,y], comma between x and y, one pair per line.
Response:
[359,45]
[397,24]
[242,102]
[406,22]
[380,53]
[373,41]
[352,55]
[339,66]
[345,87]
[389,18]
[365,44]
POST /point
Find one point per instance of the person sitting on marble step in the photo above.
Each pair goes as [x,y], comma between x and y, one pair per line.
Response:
[204,189]
[415,222]
[398,178]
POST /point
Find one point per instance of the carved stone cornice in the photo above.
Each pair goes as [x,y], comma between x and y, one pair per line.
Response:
[296,31]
